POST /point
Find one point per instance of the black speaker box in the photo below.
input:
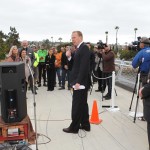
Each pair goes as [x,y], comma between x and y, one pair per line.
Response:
[12,91]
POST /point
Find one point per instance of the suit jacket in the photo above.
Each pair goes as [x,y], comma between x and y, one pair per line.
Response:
[81,66]
[146,101]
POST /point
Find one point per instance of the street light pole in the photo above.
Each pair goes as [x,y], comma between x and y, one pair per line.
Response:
[135,29]
[116,28]
[106,37]
[60,39]
[52,40]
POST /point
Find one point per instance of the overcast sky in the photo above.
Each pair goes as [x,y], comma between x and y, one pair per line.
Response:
[43,19]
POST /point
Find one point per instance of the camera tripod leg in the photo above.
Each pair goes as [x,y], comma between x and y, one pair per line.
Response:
[136,108]
[132,98]
[91,88]
[137,102]
[115,92]
[133,92]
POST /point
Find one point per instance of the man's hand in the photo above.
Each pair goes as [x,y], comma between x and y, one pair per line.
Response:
[41,58]
[66,67]
[77,85]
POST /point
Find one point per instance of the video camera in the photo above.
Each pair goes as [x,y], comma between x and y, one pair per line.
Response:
[101,45]
[136,44]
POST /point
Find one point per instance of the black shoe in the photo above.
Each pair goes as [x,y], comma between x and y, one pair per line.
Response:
[68,130]
[39,85]
[97,90]
[102,91]
[36,87]
[86,128]
[62,88]
[29,88]
[141,118]
[44,84]
[106,95]
[34,92]
[108,98]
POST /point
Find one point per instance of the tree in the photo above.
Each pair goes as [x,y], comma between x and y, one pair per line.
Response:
[46,44]
[60,39]
[12,38]
[6,41]
[2,45]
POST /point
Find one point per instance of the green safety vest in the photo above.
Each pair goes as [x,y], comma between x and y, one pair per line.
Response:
[42,54]
[36,62]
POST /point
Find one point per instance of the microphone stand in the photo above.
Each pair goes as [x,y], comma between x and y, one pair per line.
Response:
[34,104]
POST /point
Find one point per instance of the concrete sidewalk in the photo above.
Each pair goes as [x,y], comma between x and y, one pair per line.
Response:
[116,132]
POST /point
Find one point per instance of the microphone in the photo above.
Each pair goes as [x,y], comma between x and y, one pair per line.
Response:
[27,60]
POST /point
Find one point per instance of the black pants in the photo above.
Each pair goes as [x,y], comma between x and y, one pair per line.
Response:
[101,82]
[42,71]
[148,132]
[108,82]
[50,79]
[80,110]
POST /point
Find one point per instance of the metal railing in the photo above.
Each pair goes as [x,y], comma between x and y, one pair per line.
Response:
[125,73]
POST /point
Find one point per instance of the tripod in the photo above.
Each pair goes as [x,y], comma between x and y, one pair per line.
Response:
[137,85]
[134,90]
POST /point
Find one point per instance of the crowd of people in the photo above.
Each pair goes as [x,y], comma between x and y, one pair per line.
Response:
[79,65]
[53,68]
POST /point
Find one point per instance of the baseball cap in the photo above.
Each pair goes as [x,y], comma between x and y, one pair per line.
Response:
[145,40]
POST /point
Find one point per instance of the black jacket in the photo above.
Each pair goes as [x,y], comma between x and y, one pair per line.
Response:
[146,101]
[64,60]
[50,62]
[81,66]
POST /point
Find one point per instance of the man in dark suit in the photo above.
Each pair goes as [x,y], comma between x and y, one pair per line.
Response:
[144,93]
[79,76]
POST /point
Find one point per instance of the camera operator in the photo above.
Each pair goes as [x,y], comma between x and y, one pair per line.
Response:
[108,57]
[99,68]
[142,59]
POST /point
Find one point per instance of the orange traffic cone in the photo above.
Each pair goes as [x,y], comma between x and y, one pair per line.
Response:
[95,117]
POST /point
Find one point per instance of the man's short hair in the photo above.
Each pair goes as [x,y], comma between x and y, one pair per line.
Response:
[78,32]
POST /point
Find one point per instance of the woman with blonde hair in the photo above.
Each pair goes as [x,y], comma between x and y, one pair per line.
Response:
[13,55]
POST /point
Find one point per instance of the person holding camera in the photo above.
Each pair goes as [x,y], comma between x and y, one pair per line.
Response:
[108,57]
[142,59]
[99,68]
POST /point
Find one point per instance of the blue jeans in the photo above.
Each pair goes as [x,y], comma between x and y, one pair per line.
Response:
[65,73]
[58,72]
